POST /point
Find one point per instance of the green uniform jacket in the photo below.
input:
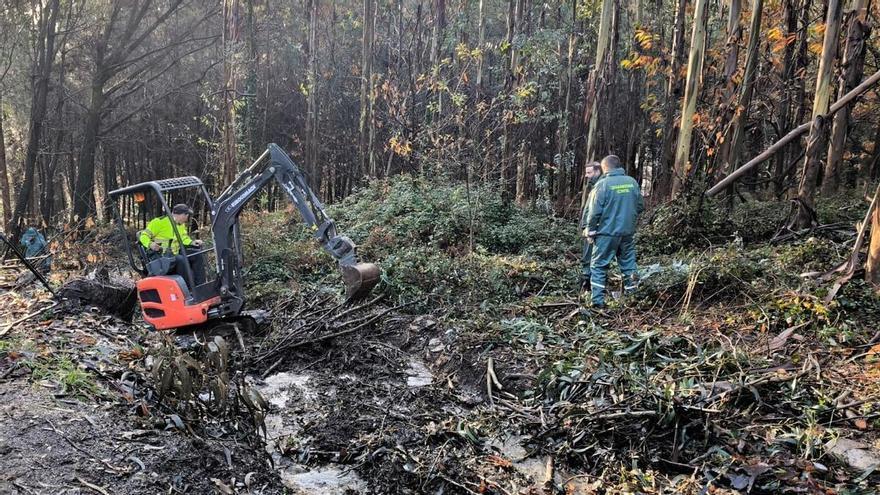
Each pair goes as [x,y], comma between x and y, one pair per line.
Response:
[615,204]
[590,184]
[160,230]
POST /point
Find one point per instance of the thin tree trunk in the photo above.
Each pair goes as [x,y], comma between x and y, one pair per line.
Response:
[786,76]
[438,29]
[4,173]
[509,77]
[817,141]
[43,71]
[853,64]
[727,103]
[477,122]
[872,267]
[661,176]
[682,165]
[250,108]
[481,41]
[795,149]
[366,81]
[311,101]
[747,88]
[230,94]
[521,164]
[566,156]
[596,76]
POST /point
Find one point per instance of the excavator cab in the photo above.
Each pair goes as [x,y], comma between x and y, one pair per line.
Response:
[173,299]
[168,292]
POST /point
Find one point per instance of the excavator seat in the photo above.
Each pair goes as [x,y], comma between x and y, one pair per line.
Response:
[167,302]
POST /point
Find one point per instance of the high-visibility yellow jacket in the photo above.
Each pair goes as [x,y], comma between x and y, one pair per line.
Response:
[159,230]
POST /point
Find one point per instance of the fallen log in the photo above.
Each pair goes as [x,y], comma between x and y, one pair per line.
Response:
[112,298]
[791,136]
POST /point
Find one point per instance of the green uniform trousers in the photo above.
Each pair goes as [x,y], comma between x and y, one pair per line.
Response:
[606,248]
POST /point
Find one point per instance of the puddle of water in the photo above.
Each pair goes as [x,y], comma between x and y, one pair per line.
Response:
[291,394]
[324,481]
[418,375]
[276,388]
[511,448]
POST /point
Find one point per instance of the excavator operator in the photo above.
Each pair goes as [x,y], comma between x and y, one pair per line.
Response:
[158,239]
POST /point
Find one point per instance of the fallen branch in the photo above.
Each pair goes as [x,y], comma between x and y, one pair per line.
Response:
[791,136]
[8,327]
[92,486]
[290,346]
[853,262]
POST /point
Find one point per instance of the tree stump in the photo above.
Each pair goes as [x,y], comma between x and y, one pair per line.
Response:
[113,298]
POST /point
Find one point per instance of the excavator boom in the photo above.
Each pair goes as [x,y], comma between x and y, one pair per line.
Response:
[275,165]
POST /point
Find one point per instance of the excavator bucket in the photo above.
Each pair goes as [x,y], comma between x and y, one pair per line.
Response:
[359,279]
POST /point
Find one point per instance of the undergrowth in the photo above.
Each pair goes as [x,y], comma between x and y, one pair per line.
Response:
[460,251]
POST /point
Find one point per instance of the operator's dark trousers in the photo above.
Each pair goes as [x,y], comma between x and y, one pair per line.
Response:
[196,267]
[585,261]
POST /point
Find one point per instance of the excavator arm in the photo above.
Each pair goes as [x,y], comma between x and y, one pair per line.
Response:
[275,165]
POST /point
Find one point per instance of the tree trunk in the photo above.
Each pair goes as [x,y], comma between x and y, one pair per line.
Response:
[48,19]
[795,149]
[565,162]
[4,174]
[438,29]
[596,76]
[83,192]
[250,104]
[682,166]
[366,82]
[509,81]
[747,88]
[853,63]
[784,118]
[869,164]
[872,267]
[661,175]
[817,141]
[112,56]
[230,94]
[727,104]
[311,101]
[481,41]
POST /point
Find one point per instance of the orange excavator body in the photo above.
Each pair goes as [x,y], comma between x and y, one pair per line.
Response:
[166,306]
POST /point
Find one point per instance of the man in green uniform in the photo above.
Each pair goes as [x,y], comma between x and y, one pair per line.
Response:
[591,175]
[614,207]
[159,238]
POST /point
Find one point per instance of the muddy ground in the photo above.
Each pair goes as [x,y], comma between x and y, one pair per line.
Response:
[373,398]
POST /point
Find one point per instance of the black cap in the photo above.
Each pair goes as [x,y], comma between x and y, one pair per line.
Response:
[180,209]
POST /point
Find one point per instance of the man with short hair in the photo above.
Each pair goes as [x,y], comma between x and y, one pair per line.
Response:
[159,238]
[614,207]
[591,175]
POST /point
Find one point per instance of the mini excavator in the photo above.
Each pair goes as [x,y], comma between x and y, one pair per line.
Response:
[172,301]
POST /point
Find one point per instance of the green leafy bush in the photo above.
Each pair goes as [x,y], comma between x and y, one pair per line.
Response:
[432,239]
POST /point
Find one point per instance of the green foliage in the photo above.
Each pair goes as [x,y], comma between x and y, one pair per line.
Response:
[420,232]
[407,210]
[73,379]
[813,254]
[723,273]
[679,225]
